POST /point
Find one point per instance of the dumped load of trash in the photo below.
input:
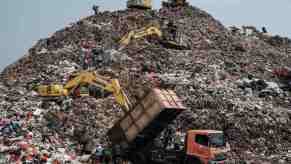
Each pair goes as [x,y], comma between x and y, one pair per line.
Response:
[226,79]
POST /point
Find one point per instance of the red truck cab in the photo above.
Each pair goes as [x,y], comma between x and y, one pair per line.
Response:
[205,147]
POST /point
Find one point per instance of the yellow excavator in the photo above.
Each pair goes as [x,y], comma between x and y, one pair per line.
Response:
[175,3]
[79,86]
[154,30]
[141,4]
[147,4]
[139,33]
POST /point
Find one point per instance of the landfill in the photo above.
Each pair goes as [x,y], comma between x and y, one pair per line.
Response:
[226,80]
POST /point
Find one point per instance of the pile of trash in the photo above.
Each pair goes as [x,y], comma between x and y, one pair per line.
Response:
[225,79]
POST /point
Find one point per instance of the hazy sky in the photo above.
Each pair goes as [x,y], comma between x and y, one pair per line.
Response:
[23,22]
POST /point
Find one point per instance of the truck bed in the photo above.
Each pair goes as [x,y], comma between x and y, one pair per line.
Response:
[146,120]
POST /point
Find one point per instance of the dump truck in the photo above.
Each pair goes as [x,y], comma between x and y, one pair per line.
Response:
[135,136]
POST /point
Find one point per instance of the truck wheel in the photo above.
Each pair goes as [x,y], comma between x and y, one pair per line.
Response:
[118,160]
[139,159]
[192,160]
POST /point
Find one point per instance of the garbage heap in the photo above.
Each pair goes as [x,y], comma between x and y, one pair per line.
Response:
[226,80]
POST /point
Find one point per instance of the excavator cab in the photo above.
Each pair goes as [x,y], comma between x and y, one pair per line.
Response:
[51,90]
[81,91]
[175,3]
[205,147]
[140,4]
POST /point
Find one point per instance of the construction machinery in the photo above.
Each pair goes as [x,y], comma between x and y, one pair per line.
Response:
[140,4]
[84,83]
[140,33]
[147,4]
[175,3]
[169,37]
[51,90]
[135,138]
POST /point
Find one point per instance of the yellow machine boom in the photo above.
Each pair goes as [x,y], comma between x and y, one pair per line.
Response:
[140,33]
[143,4]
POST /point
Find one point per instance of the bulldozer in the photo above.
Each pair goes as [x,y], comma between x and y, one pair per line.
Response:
[140,4]
[168,37]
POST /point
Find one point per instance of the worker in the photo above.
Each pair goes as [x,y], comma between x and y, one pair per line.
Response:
[264,30]
[98,154]
[107,156]
[95,9]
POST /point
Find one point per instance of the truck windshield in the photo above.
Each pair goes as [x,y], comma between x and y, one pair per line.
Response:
[217,139]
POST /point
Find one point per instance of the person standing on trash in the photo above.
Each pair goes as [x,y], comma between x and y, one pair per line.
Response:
[98,154]
[107,156]
[95,9]
[264,30]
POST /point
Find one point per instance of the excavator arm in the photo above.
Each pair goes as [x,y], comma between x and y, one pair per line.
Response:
[79,78]
[136,34]
[87,78]
[113,86]
[110,85]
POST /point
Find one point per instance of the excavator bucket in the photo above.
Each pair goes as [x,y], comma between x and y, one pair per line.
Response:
[141,4]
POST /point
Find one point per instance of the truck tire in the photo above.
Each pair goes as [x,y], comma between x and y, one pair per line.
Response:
[139,158]
[118,160]
[192,160]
